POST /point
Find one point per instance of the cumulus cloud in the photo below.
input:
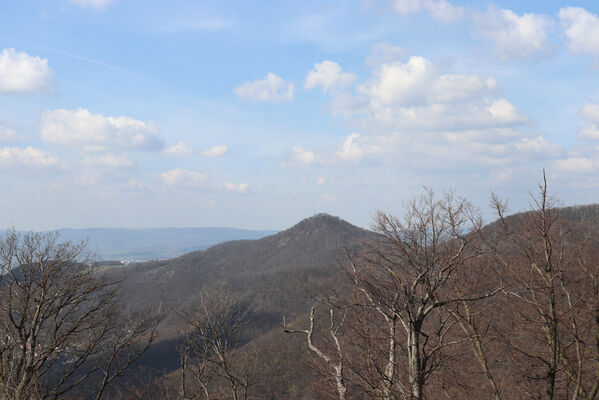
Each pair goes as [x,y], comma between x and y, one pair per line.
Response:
[216,151]
[95,4]
[239,188]
[504,112]
[136,186]
[589,133]
[408,110]
[513,36]
[538,145]
[327,75]
[590,112]
[111,161]
[179,149]
[407,6]
[96,132]
[303,157]
[441,10]
[354,148]
[29,157]
[581,28]
[449,88]
[413,95]
[270,89]
[22,73]
[8,135]
[417,82]
[184,178]
[576,164]
[444,11]
[401,83]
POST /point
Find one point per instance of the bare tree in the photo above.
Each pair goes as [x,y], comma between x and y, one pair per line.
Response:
[543,260]
[60,322]
[334,363]
[407,277]
[215,323]
[475,320]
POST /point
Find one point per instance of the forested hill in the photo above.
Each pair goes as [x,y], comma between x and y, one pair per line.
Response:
[276,274]
[314,244]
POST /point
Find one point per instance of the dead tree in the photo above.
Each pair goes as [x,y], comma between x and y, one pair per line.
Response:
[540,254]
[334,363]
[61,325]
[476,319]
[215,328]
[406,277]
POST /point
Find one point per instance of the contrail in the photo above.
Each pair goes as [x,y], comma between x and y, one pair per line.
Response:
[89,60]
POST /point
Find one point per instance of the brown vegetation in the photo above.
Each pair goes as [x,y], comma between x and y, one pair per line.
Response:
[429,305]
[62,332]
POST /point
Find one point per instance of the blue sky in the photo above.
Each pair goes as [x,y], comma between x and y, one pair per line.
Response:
[130,113]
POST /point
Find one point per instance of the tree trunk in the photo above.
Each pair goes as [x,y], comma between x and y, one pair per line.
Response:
[414,362]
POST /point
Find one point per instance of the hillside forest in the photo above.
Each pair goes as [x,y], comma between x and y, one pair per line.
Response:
[429,304]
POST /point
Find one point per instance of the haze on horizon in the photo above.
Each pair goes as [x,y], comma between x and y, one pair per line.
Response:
[131,113]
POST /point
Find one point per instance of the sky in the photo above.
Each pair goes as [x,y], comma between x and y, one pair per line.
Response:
[147,113]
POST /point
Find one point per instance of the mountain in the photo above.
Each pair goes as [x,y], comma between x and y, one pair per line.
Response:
[154,243]
[314,244]
[276,274]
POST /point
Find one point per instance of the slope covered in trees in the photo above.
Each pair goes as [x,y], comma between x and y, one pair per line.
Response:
[428,305]
[432,304]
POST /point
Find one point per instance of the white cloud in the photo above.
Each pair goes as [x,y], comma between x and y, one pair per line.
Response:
[321,181]
[513,36]
[461,87]
[441,10]
[407,6]
[184,177]
[412,95]
[576,164]
[591,112]
[538,145]
[581,28]
[95,4]
[327,75]
[504,112]
[95,132]
[240,188]
[115,161]
[354,148]
[29,157]
[401,83]
[8,135]
[303,157]
[270,89]
[589,133]
[417,82]
[22,73]
[409,111]
[179,149]
[444,11]
[216,151]
[135,185]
